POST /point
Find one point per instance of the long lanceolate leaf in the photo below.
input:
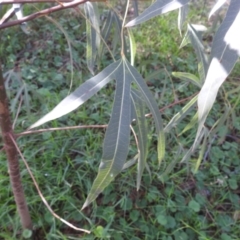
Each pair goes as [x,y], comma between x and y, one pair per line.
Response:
[105,32]
[116,142]
[117,34]
[133,46]
[152,105]
[225,52]
[117,137]
[188,77]
[80,95]
[180,115]
[135,7]
[138,107]
[195,38]
[182,14]
[218,5]
[93,31]
[157,8]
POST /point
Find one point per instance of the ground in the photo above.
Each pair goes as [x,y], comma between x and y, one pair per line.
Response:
[172,203]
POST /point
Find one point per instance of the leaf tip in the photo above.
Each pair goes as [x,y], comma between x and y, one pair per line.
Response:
[32,126]
[130,24]
[160,159]
[85,205]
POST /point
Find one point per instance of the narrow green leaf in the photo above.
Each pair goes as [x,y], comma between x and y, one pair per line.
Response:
[157,8]
[117,35]
[16,99]
[225,53]
[117,137]
[193,147]
[180,115]
[185,40]
[188,77]
[190,125]
[194,35]
[200,29]
[131,162]
[139,107]
[93,30]
[196,40]
[80,95]
[149,171]
[107,26]
[105,32]
[217,5]
[183,11]
[133,46]
[202,151]
[170,166]
[152,105]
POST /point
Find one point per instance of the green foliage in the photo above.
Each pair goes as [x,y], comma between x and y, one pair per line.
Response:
[172,203]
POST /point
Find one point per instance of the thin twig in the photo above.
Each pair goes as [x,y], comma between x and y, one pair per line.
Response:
[4,2]
[173,104]
[47,11]
[135,136]
[58,128]
[40,193]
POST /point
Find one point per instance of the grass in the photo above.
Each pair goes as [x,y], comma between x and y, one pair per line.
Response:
[172,204]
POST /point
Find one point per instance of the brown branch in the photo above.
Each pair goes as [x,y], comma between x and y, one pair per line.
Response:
[12,157]
[178,102]
[4,2]
[59,128]
[41,13]
[173,104]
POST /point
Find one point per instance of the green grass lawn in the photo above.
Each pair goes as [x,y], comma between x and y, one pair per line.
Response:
[172,203]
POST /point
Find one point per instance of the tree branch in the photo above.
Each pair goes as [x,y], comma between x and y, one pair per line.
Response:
[4,2]
[47,11]
[58,128]
[12,157]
